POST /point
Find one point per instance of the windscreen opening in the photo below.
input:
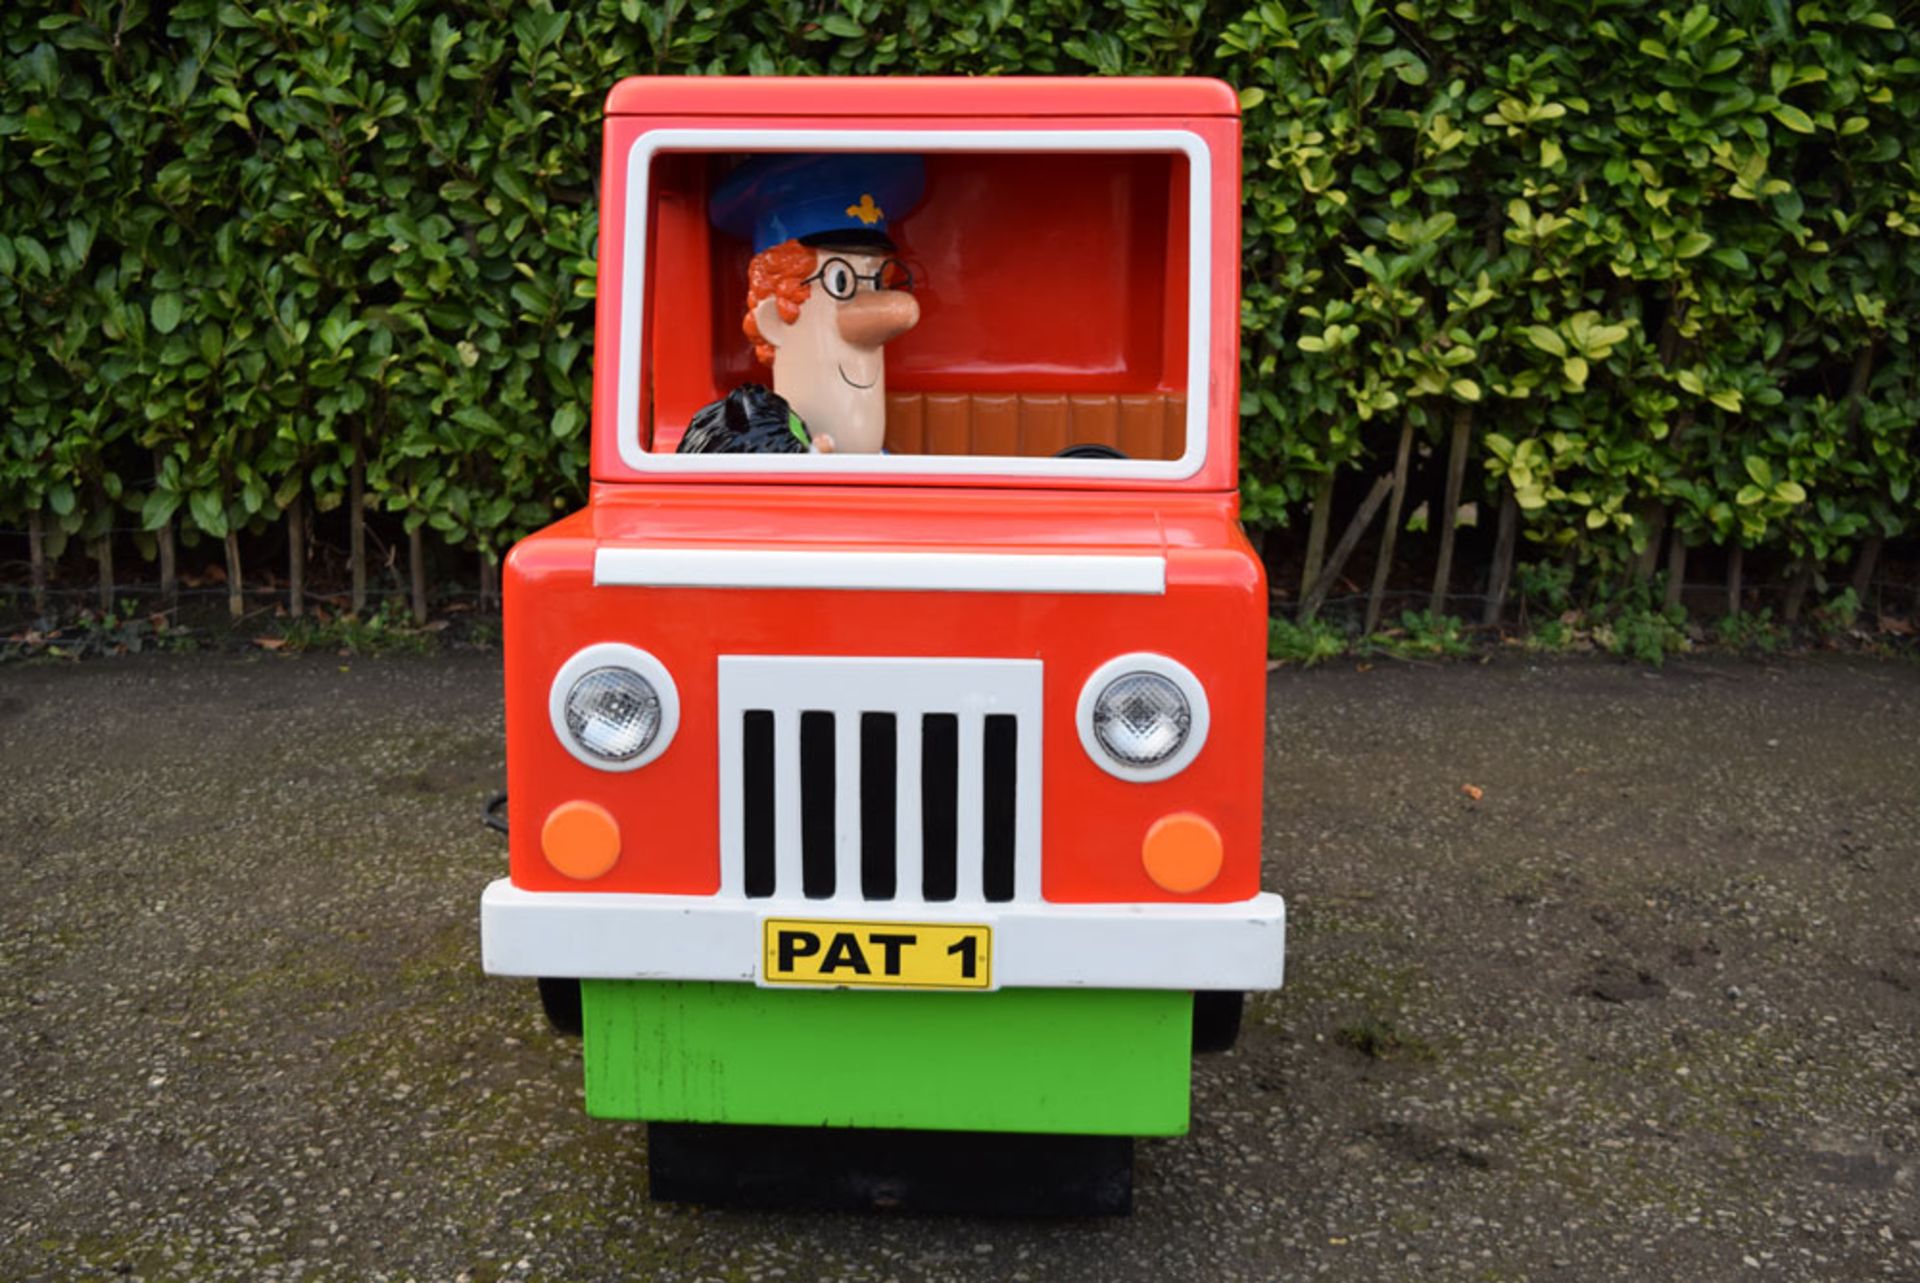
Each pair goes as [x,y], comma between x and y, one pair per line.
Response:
[1053,298]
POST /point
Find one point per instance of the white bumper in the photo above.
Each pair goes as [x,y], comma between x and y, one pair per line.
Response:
[621,936]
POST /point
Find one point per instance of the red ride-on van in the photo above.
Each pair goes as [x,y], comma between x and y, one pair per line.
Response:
[916,788]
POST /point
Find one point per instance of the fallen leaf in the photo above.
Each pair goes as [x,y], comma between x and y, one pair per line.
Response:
[1897,626]
[1473,791]
[270,643]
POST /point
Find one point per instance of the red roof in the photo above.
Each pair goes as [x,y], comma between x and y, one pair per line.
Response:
[870,96]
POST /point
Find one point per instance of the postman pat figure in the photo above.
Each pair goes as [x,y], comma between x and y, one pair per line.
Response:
[885,743]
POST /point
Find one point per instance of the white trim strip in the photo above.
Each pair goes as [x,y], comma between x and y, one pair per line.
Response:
[733,783]
[622,936]
[846,802]
[788,867]
[909,854]
[1137,575]
[626,345]
[1031,753]
[968,793]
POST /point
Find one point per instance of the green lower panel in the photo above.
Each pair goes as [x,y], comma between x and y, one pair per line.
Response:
[1078,1061]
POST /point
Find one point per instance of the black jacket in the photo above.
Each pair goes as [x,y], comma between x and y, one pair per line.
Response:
[749,420]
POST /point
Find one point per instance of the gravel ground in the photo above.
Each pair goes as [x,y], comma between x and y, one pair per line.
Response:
[1645,1008]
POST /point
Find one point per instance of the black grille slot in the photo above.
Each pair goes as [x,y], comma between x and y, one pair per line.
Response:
[816,805]
[939,806]
[756,785]
[999,778]
[879,807]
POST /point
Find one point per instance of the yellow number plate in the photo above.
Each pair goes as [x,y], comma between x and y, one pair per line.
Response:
[918,955]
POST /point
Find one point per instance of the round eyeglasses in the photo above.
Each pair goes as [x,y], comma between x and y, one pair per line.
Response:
[840,281]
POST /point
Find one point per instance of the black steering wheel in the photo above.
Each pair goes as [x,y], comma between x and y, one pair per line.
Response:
[1090,450]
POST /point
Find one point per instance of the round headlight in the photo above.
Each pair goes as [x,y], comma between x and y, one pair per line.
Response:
[613,713]
[1141,719]
[614,706]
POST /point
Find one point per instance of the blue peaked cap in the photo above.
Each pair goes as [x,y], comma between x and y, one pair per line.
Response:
[815,198]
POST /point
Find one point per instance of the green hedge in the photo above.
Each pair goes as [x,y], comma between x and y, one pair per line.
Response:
[1663,261]
[1658,266]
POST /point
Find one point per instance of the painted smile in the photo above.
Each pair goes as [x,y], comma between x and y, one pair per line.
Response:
[849,382]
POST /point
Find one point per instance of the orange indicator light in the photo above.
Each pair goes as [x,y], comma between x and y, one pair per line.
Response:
[581,839]
[1182,852]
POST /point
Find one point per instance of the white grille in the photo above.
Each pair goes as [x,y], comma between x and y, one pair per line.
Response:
[903,781]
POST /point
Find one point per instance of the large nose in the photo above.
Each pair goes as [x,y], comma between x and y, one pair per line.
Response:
[870,319]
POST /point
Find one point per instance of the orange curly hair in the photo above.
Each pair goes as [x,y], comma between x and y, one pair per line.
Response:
[781,272]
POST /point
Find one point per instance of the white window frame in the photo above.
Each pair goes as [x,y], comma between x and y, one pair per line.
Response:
[627,345]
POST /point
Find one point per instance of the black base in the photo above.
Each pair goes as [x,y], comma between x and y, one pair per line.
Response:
[560,999]
[855,1169]
[1216,1019]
